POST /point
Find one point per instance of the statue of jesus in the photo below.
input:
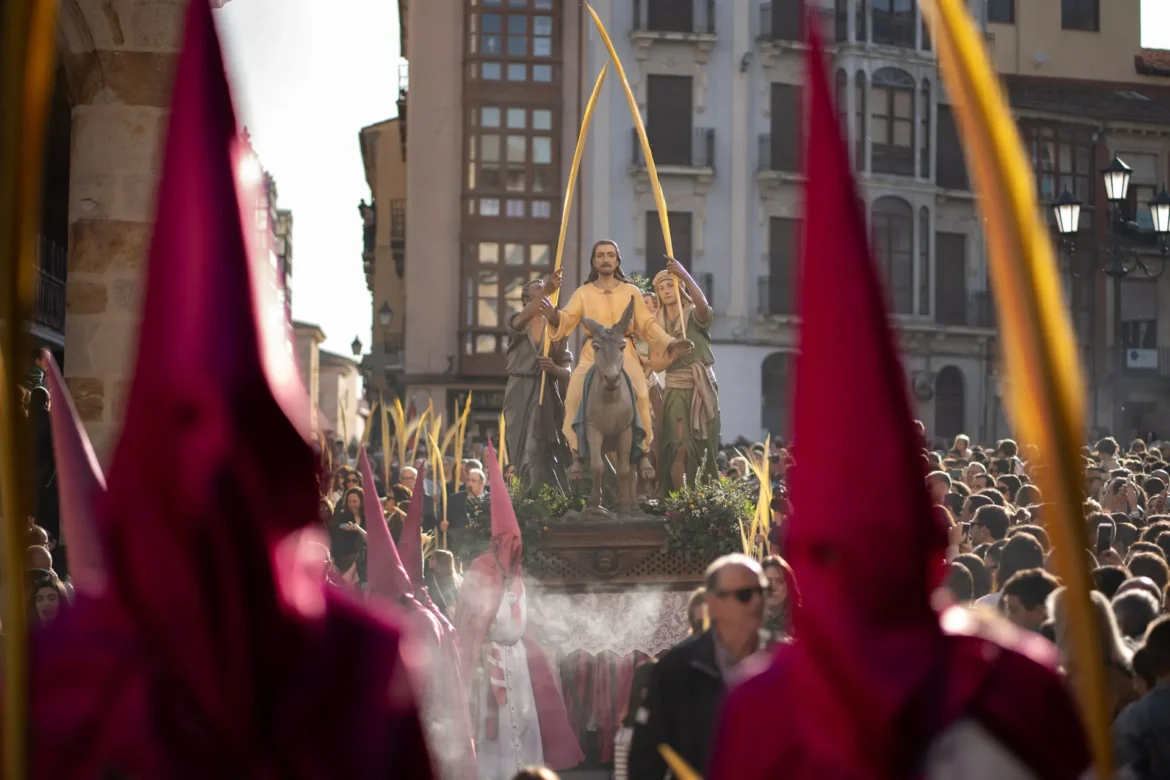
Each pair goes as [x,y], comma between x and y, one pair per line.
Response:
[603,298]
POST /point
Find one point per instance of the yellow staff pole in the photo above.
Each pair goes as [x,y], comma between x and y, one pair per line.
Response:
[567,206]
[1047,398]
[26,82]
[651,168]
[384,418]
[369,427]
[421,426]
[462,439]
[503,442]
[678,765]
[400,432]
[441,473]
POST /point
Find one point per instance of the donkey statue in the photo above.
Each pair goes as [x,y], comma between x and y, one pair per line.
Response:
[608,412]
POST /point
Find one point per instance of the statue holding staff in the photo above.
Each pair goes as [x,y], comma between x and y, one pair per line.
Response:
[603,299]
[533,429]
[689,427]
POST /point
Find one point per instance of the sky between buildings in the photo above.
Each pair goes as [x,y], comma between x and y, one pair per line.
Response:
[307,77]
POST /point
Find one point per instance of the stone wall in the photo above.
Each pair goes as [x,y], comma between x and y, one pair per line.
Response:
[119,58]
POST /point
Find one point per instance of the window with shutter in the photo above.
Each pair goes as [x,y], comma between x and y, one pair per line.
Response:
[783,263]
[787,127]
[950,167]
[681,234]
[670,118]
[950,287]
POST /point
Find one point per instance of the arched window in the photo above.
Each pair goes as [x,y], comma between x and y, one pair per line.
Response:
[893,240]
[924,134]
[840,90]
[776,392]
[895,22]
[924,261]
[893,122]
[950,403]
[862,121]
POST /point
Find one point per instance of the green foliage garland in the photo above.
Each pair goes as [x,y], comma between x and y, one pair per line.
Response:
[701,519]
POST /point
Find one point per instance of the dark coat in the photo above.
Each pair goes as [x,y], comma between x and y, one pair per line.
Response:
[686,691]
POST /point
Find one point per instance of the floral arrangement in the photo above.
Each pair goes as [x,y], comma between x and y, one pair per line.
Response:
[702,519]
[641,282]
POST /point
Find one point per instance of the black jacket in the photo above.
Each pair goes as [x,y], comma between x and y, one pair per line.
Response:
[686,691]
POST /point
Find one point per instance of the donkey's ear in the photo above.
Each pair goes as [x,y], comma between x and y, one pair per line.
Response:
[623,324]
[594,327]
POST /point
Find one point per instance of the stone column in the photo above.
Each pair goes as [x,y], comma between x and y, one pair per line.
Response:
[120,55]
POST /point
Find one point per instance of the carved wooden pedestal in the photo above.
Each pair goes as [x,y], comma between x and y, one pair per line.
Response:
[613,555]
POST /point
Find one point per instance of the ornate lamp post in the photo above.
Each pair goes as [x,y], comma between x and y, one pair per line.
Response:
[1118,258]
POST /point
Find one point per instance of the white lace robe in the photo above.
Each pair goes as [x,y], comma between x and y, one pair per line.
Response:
[519,743]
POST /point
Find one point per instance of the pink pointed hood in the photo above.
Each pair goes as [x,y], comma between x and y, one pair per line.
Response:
[81,484]
[505,528]
[212,467]
[197,661]
[385,574]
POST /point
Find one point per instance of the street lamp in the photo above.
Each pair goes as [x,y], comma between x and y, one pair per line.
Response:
[385,315]
[1119,257]
[356,346]
[1116,175]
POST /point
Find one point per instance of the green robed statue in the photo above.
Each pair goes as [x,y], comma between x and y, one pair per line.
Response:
[689,428]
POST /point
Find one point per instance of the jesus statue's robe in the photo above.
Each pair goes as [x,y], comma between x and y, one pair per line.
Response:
[606,308]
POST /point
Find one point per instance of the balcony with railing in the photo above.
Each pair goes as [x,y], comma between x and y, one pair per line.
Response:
[398,234]
[682,20]
[403,91]
[778,154]
[975,310]
[782,23]
[52,267]
[775,297]
[676,155]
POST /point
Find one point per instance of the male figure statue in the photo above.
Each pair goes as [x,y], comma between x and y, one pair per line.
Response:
[689,428]
[604,298]
[535,443]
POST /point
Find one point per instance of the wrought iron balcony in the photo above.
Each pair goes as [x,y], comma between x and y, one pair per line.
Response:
[775,297]
[689,17]
[398,234]
[975,310]
[780,153]
[675,150]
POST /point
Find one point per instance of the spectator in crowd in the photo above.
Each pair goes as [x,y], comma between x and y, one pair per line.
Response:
[777,606]
[1108,579]
[1025,598]
[1021,552]
[938,483]
[697,611]
[47,597]
[989,525]
[1106,450]
[1135,610]
[980,579]
[959,583]
[536,773]
[1152,566]
[1141,734]
[1114,651]
[689,683]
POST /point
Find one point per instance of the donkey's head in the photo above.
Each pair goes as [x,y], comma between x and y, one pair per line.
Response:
[609,344]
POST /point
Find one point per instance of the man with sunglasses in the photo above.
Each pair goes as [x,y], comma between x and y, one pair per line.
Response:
[688,685]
